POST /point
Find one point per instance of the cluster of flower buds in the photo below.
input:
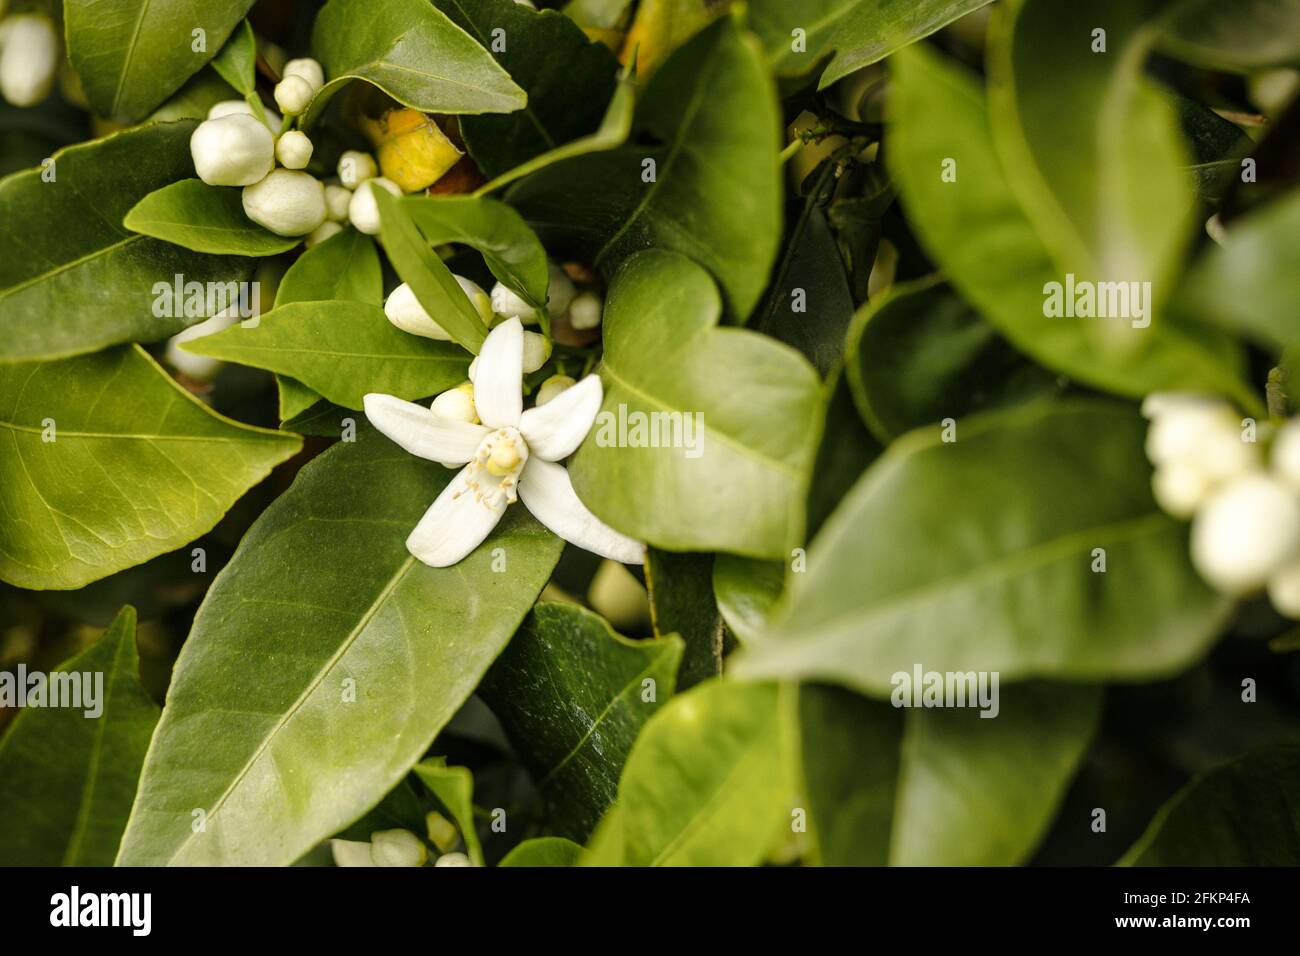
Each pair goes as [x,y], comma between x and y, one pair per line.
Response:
[29,58]
[583,309]
[1244,504]
[402,847]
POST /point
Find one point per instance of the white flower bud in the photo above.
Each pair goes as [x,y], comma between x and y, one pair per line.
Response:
[308,69]
[29,60]
[397,848]
[537,349]
[1160,403]
[293,149]
[453,859]
[363,211]
[337,200]
[561,290]
[288,202]
[235,150]
[1286,454]
[325,230]
[235,107]
[1207,435]
[356,167]
[404,311]
[1284,590]
[586,310]
[442,832]
[1245,533]
[292,94]
[1180,488]
[201,368]
[508,303]
[457,404]
[481,301]
[351,853]
[553,387]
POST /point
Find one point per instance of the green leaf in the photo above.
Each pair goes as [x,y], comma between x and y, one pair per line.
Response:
[1005,577]
[860,32]
[845,448]
[510,249]
[454,788]
[202,91]
[435,288]
[919,354]
[716,191]
[133,54]
[1240,37]
[1097,158]
[204,218]
[681,603]
[747,590]
[568,80]
[980,236]
[939,787]
[544,851]
[613,131]
[1244,813]
[109,463]
[414,53]
[708,782]
[744,408]
[808,305]
[237,61]
[599,14]
[67,778]
[320,604]
[570,694]
[55,281]
[345,266]
[342,350]
[1251,283]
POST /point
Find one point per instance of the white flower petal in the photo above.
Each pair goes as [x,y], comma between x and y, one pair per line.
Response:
[556,429]
[455,524]
[546,490]
[499,376]
[423,433]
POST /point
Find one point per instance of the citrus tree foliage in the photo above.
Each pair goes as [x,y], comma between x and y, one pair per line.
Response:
[649,433]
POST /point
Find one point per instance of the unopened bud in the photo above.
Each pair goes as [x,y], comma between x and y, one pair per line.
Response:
[457,404]
[453,859]
[29,60]
[397,848]
[586,310]
[293,149]
[234,150]
[337,200]
[288,202]
[292,94]
[363,210]
[404,311]
[442,832]
[325,230]
[356,167]
[553,387]
[308,69]
[537,349]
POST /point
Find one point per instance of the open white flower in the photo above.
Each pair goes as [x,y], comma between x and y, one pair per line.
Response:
[514,454]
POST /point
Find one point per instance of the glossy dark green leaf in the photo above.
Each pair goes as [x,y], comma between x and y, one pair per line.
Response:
[939,114]
[107,463]
[237,61]
[567,77]
[920,354]
[734,476]
[859,32]
[414,53]
[939,787]
[132,54]
[1243,36]
[345,266]
[202,91]
[204,218]
[323,661]
[572,696]
[1244,813]
[342,350]
[708,783]
[454,788]
[434,286]
[845,448]
[510,249]
[544,851]
[682,603]
[1003,574]
[716,188]
[68,774]
[77,280]
[747,590]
